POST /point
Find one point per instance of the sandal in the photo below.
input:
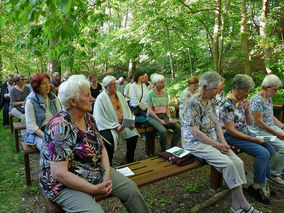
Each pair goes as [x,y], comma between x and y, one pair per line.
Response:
[240,210]
[250,210]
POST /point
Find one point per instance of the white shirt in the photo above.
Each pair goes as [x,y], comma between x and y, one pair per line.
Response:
[135,93]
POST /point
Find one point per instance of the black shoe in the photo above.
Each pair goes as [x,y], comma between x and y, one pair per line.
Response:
[272,192]
[258,195]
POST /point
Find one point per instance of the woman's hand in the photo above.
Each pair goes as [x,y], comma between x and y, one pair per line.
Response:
[280,135]
[222,147]
[120,128]
[171,121]
[132,127]
[163,122]
[259,140]
[103,188]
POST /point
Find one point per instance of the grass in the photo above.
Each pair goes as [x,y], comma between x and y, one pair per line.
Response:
[12,176]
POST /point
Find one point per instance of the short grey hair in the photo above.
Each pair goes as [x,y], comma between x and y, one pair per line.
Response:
[71,89]
[55,74]
[107,80]
[17,77]
[210,79]
[66,74]
[271,80]
[155,78]
[242,81]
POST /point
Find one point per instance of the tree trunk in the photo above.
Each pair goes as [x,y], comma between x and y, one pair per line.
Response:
[105,66]
[267,50]
[53,66]
[225,8]
[131,67]
[216,36]
[170,54]
[190,63]
[244,38]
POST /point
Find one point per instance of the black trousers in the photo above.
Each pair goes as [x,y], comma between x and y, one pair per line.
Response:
[6,113]
[130,146]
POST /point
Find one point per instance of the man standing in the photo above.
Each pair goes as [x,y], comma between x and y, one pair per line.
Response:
[5,98]
[56,81]
[120,85]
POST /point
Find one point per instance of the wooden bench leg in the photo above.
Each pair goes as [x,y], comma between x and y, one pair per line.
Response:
[16,132]
[216,179]
[150,143]
[27,169]
[11,122]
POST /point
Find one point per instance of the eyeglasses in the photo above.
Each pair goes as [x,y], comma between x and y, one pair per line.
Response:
[22,79]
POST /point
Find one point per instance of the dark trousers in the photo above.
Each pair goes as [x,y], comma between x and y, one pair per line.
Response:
[130,145]
[6,113]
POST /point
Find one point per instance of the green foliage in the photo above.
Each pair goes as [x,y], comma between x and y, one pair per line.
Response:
[193,187]
[164,201]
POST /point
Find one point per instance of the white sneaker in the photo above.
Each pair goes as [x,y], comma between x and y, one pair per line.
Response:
[277,180]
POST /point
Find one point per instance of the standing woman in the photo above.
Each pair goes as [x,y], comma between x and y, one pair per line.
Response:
[235,118]
[40,106]
[266,124]
[96,88]
[159,115]
[192,86]
[109,111]
[18,96]
[137,94]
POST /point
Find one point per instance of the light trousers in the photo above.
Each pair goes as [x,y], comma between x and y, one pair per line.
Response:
[122,187]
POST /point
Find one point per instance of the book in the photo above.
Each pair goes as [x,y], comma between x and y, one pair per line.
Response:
[177,151]
[267,138]
[125,171]
[128,122]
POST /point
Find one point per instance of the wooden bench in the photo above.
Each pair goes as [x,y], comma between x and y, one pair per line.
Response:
[281,108]
[149,171]
[17,126]
[150,139]
[11,122]
[28,150]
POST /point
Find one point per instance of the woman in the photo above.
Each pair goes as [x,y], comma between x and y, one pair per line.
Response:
[266,124]
[96,88]
[18,96]
[40,106]
[192,86]
[109,111]
[137,94]
[159,115]
[74,161]
[127,87]
[235,118]
[203,136]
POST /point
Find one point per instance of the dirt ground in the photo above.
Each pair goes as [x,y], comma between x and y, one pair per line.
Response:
[176,194]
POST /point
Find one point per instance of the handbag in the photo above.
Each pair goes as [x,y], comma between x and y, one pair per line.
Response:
[21,109]
[185,160]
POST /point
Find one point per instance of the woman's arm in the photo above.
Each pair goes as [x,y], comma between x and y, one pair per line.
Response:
[258,120]
[278,123]
[32,127]
[200,136]
[59,171]
[230,128]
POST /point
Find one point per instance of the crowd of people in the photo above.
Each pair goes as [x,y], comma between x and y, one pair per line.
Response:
[77,124]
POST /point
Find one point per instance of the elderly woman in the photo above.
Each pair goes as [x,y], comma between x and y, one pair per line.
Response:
[159,115]
[266,124]
[235,118]
[17,97]
[74,161]
[137,94]
[40,106]
[203,136]
[192,86]
[109,111]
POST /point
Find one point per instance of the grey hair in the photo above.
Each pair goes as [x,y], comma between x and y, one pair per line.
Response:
[242,81]
[17,77]
[155,78]
[271,80]
[210,79]
[55,74]
[66,74]
[71,89]
[107,80]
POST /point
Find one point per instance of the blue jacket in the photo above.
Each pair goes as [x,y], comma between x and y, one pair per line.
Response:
[40,112]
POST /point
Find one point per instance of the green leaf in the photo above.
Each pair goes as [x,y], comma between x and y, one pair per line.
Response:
[65,5]
[2,21]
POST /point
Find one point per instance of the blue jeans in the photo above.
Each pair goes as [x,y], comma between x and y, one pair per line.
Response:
[261,152]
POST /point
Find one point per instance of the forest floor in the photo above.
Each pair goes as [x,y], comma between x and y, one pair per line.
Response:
[175,194]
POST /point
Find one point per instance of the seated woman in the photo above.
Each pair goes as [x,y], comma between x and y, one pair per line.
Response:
[17,97]
[266,124]
[109,111]
[203,136]
[192,86]
[235,118]
[40,106]
[159,115]
[137,94]
[96,88]
[74,161]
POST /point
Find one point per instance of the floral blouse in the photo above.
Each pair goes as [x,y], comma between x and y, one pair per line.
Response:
[258,104]
[64,141]
[230,113]
[197,114]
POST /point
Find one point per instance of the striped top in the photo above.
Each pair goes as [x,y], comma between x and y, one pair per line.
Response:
[159,103]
